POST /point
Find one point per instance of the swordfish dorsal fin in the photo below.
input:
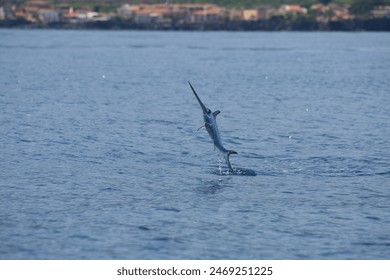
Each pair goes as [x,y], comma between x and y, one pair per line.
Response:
[216,113]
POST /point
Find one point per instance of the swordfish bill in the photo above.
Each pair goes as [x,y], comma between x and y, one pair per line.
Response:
[210,123]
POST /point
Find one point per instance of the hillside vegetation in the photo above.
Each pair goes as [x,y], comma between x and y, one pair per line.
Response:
[254,3]
[223,3]
[358,6]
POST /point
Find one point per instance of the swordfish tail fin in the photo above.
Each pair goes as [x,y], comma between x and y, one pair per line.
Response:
[227,155]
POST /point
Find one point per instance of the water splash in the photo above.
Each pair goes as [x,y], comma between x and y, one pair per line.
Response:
[235,172]
[220,165]
[244,172]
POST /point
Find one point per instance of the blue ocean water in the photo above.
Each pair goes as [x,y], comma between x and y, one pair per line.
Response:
[101,157]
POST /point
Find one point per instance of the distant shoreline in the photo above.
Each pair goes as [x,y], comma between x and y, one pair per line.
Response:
[275,24]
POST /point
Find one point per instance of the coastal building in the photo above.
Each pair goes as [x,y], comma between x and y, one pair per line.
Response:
[67,14]
[125,11]
[2,14]
[177,16]
[381,12]
[8,10]
[48,16]
[209,14]
[145,14]
[34,11]
[266,12]
[165,13]
[191,8]
[34,5]
[81,15]
[250,14]
[182,12]
[235,14]
[294,10]
[341,12]
[148,16]
[331,12]
[243,14]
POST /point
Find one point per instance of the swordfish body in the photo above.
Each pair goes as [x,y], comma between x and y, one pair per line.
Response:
[210,123]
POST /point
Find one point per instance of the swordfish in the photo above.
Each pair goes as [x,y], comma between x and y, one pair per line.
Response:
[210,123]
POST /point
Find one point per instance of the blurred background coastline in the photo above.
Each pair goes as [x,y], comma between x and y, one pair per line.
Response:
[261,15]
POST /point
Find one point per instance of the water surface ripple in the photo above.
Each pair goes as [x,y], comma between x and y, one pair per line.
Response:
[101,157]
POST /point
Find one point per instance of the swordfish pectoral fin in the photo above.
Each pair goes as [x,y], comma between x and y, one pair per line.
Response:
[201,127]
[216,113]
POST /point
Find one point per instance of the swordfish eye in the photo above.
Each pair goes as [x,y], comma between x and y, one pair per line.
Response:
[208,111]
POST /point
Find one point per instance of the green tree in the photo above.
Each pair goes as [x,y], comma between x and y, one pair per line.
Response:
[363,7]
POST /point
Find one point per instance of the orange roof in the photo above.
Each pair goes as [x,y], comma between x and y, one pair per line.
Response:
[295,8]
[20,14]
[70,15]
[152,11]
[212,11]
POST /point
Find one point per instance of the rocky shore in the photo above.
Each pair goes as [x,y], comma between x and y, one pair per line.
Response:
[273,24]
